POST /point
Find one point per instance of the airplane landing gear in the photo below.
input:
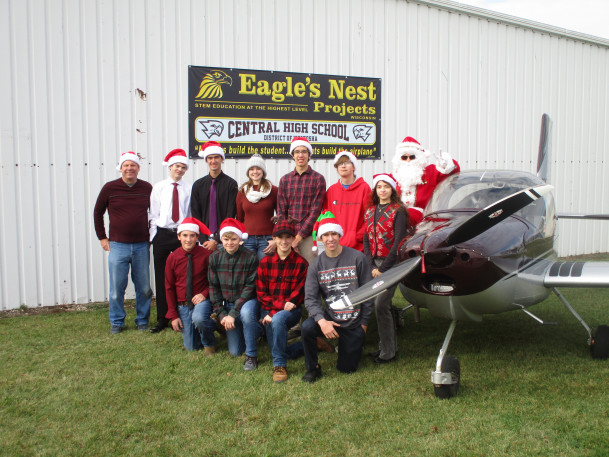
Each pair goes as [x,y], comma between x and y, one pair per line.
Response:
[599,343]
[449,378]
[446,378]
[599,347]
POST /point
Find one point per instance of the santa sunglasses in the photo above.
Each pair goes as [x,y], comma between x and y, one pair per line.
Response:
[407,157]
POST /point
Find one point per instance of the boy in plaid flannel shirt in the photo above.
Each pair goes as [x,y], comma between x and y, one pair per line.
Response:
[280,288]
[232,291]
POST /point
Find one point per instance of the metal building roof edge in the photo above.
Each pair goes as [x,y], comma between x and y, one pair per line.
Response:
[512,20]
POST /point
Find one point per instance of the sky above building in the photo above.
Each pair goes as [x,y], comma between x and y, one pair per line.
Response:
[585,16]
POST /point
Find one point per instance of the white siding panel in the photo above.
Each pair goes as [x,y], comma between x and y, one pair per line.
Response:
[86,80]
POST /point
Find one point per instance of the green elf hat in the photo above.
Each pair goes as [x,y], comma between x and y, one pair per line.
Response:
[326,222]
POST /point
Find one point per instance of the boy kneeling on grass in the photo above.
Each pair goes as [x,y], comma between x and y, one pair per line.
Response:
[187,289]
[334,273]
[232,291]
[280,287]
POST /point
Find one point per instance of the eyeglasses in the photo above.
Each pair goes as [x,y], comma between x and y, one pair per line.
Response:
[407,157]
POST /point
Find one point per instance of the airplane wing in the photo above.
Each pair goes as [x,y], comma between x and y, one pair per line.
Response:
[378,285]
[583,216]
[577,274]
[566,274]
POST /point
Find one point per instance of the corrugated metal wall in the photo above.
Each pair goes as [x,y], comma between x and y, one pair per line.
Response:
[456,78]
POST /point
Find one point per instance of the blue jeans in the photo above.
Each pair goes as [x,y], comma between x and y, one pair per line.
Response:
[257,244]
[191,336]
[203,324]
[247,330]
[123,255]
[277,336]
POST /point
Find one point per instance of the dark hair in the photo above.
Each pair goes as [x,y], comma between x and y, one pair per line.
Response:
[265,185]
[395,198]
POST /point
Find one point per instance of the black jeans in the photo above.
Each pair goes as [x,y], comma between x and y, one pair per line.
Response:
[164,243]
[350,345]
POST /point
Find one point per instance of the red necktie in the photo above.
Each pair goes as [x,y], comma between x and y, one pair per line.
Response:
[175,207]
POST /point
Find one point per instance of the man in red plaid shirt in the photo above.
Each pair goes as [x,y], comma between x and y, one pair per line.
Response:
[300,197]
[280,288]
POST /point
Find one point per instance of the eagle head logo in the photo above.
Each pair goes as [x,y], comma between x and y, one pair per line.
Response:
[361,131]
[211,84]
[211,128]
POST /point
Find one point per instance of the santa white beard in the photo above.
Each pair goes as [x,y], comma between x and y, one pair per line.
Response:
[409,175]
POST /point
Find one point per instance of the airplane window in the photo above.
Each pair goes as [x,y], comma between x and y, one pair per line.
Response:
[477,190]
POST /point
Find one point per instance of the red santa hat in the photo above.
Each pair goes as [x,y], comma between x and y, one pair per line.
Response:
[128,156]
[409,146]
[211,148]
[351,157]
[386,177]
[193,225]
[300,141]
[176,156]
[234,226]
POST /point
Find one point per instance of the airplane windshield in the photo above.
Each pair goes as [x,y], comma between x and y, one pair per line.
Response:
[478,189]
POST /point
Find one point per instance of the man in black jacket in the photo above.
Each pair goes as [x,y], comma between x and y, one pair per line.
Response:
[213,197]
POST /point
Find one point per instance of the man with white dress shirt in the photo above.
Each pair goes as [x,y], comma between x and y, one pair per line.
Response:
[169,205]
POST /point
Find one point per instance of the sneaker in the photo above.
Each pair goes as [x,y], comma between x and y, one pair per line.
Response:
[378,359]
[116,329]
[312,375]
[280,374]
[251,363]
[142,327]
[323,345]
[209,351]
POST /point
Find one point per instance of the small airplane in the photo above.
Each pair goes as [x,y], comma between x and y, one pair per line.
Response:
[486,246]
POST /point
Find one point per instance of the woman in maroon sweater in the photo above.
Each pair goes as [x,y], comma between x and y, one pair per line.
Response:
[256,205]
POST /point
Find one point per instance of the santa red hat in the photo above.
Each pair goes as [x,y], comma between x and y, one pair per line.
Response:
[234,226]
[128,156]
[211,148]
[176,156]
[300,141]
[349,155]
[386,177]
[409,146]
[193,225]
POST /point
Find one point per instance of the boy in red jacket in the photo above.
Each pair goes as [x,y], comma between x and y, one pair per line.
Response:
[347,200]
[187,288]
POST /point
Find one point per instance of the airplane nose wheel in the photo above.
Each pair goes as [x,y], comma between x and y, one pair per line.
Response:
[599,347]
[447,376]
[452,370]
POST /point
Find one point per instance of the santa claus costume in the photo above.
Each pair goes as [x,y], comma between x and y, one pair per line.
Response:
[418,175]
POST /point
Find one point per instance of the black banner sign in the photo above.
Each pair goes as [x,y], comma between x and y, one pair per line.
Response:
[253,111]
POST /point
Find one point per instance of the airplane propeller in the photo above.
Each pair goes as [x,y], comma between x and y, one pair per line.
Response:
[468,229]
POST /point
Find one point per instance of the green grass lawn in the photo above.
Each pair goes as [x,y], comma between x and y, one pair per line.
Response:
[68,387]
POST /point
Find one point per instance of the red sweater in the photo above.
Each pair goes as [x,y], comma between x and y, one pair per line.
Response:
[257,216]
[349,206]
[175,277]
[127,210]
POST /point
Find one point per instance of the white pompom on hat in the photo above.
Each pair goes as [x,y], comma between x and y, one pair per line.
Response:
[300,141]
[176,156]
[349,155]
[211,148]
[128,156]
[256,161]
[234,226]
[193,225]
